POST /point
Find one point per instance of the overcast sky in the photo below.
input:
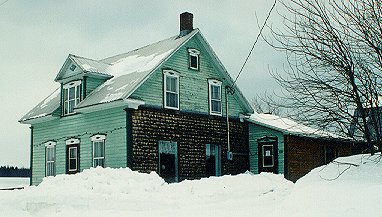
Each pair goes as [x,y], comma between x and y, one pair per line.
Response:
[37,36]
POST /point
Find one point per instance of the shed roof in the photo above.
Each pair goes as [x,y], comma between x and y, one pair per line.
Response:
[290,127]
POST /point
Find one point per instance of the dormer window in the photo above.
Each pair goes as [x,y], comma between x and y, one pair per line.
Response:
[71,96]
[193,59]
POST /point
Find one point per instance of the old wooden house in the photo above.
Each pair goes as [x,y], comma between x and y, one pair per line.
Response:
[162,107]
[280,145]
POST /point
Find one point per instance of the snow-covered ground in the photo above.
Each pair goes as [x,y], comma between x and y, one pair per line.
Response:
[12,182]
[349,188]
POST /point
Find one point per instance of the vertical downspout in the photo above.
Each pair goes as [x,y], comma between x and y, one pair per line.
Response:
[31,156]
[129,138]
[226,112]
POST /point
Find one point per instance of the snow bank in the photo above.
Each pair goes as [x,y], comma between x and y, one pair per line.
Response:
[349,186]
[122,192]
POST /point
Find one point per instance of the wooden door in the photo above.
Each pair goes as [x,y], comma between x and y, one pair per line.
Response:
[268,154]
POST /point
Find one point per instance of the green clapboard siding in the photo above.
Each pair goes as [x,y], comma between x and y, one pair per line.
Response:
[256,132]
[102,122]
[92,84]
[193,85]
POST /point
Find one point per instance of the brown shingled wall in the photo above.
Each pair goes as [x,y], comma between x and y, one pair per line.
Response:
[191,132]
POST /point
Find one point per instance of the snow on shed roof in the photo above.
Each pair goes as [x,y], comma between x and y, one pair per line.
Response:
[288,126]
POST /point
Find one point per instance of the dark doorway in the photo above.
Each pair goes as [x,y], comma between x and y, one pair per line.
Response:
[72,159]
[168,161]
[268,154]
[213,160]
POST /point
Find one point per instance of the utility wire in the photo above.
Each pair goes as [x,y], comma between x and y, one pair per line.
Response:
[4,2]
[253,46]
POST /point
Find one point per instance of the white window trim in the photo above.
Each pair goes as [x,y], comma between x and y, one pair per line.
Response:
[67,87]
[72,141]
[174,74]
[99,138]
[75,147]
[213,82]
[195,53]
[49,145]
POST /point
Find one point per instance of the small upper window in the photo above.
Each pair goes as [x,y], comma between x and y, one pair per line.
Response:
[71,97]
[215,97]
[171,89]
[73,67]
[193,59]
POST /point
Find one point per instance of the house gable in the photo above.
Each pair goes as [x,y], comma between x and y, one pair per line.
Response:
[193,84]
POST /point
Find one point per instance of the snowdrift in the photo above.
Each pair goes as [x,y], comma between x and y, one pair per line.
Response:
[122,192]
[348,186]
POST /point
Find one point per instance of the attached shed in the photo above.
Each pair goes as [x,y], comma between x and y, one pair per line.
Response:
[281,145]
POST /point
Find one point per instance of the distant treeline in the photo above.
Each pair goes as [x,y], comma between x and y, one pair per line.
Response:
[10,171]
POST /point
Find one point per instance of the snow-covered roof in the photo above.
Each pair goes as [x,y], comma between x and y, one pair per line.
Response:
[131,69]
[126,72]
[44,108]
[288,126]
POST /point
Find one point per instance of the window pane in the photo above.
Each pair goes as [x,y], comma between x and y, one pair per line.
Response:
[73,153]
[73,164]
[98,149]
[71,93]
[171,84]
[71,106]
[215,92]
[65,94]
[50,153]
[66,107]
[78,91]
[172,100]
[99,162]
[216,106]
[193,61]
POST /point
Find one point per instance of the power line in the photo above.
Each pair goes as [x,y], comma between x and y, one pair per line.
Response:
[4,2]
[253,46]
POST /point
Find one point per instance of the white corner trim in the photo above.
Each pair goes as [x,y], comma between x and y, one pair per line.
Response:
[97,138]
[50,143]
[72,84]
[133,103]
[72,141]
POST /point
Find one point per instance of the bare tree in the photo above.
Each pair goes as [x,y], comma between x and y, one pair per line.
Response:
[335,62]
[266,104]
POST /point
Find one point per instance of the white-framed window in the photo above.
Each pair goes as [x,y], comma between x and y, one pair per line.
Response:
[72,155]
[50,158]
[171,89]
[215,97]
[71,96]
[193,56]
[98,150]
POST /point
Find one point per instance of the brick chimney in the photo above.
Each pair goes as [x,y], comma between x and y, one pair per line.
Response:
[186,23]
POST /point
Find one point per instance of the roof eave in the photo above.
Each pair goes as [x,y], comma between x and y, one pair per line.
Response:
[38,119]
